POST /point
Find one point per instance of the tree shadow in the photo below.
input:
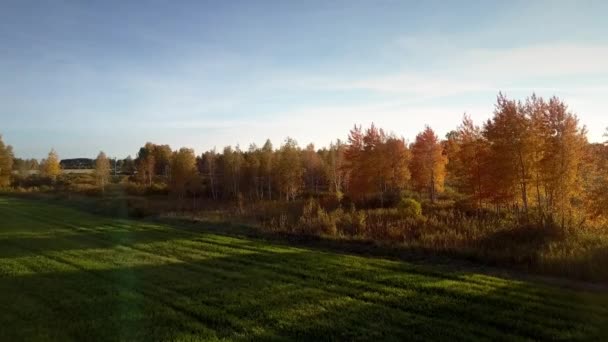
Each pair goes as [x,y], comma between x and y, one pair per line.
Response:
[105,237]
[518,246]
[204,286]
[547,250]
[301,295]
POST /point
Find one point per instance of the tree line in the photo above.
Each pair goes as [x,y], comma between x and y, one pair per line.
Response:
[531,158]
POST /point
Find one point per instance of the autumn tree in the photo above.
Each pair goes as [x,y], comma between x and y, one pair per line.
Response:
[6,163]
[25,164]
[162,160]
[209,171]
[50,166]
[128,166]
[251,181]
[512,152]
[394,164]
[371,161]
[334,166]
[599,193]
[313,169]
[357,163]
[145,163]
[454,168]
[102,170]
[289,169]
[536,111]
[562,158]
[376,163]
[595,180]
[183,171]
[267,163]
[428,164]
[23,167]
[232,167]
[467,152]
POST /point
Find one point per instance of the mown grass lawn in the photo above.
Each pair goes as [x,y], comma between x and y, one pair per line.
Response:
[69,275]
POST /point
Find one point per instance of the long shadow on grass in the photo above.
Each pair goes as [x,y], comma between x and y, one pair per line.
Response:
[302,295]
[515,249]
[33,228]
[527,248]
[519,246]
[105,237]
[260,294]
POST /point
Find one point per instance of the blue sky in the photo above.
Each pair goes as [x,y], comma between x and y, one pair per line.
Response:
[85,76]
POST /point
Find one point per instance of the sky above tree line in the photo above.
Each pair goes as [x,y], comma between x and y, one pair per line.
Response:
[85,76]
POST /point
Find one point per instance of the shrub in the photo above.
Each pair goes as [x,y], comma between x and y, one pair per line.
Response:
[157,189]
[316,221]
[330,201]
[83,188]
[410,208]
[350,223]
[45,188]
[139,208]
[132,188]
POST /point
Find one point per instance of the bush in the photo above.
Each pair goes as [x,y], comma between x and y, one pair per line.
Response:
[83,188]
[32,181]
[350,223]
[316,221]
[135,189]
[157,189]
[409,207]
[139,208]
[45,188]
[330,201]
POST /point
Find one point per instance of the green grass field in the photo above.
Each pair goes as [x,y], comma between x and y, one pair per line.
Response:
[69,275]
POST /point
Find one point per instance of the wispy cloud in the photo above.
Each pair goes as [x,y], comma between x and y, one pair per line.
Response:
[414,98]
[410,83]
[540,61]
[476,70]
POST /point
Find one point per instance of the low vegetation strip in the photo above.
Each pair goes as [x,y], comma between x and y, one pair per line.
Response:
[69,275]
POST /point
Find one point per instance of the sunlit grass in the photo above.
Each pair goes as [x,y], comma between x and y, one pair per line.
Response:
[65,274]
